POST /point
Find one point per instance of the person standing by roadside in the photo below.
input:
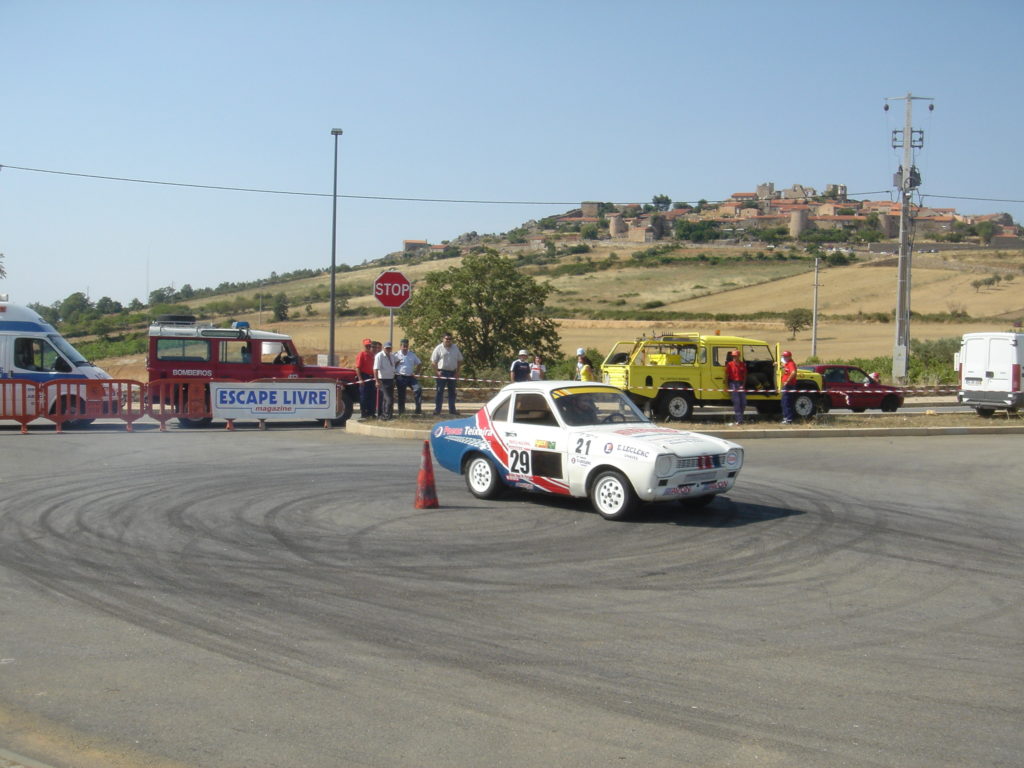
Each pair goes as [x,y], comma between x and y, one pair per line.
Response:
[584,368]
[367,387]
[520,369]
[447,361]
[736,381]
[384,373]
[789,386]
[377,347]
[538,370]
[407,368]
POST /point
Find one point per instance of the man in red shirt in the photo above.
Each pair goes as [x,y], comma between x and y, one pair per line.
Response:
[367,386]
[736,381]
[789,386]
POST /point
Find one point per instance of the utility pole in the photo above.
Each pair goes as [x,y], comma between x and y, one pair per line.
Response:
[814,313]
[907,178]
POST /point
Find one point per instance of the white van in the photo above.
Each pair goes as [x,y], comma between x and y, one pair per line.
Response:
[31,348]
[989,368]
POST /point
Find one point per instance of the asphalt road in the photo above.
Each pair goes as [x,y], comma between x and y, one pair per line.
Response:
[215,599]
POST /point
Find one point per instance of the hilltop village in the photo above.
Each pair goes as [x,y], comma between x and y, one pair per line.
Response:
[763,214]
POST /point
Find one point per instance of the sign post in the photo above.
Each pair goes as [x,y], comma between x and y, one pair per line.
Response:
[392,289]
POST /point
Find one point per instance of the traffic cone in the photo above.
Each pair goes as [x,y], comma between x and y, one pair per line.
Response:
[426,493]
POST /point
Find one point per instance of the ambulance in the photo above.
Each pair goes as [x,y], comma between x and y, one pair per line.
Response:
[31,349]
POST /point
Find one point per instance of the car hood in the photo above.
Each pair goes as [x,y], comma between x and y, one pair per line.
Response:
[656,440]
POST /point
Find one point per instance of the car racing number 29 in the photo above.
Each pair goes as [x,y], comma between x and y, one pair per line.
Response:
[519,461]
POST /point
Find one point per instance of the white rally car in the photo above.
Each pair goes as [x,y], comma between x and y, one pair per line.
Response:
[583,439]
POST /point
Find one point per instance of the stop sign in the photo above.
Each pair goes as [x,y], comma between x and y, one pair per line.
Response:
[392,289]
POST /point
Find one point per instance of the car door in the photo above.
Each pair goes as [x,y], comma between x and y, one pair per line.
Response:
[837,384]
[862,390]
[37,359]
[536,444]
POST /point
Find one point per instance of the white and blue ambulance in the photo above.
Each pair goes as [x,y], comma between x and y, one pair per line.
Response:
[31,349]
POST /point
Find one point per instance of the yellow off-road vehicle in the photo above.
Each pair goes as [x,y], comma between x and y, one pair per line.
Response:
[670,375]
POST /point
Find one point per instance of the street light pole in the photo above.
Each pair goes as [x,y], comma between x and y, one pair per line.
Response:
[335,132]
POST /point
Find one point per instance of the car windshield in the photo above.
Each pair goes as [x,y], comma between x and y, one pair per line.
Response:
[587,406]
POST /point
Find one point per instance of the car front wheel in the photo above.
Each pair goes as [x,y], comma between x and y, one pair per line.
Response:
[481,478]
[612,495]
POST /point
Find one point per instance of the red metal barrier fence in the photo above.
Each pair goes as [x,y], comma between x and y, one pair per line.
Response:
[74,402]
[181,398]
[19,401]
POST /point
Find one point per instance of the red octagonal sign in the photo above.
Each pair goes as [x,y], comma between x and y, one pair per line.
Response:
[392,289]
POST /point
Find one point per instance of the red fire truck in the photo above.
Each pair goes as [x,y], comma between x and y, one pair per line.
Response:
[182,351]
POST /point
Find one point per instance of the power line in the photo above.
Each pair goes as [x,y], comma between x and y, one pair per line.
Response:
[984,199]
[288,192]
[397,198]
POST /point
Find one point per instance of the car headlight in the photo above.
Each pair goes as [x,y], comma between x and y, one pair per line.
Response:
[664,465]
[734,458]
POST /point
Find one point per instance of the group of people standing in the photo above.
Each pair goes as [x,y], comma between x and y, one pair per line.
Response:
[381,370]
[524,369]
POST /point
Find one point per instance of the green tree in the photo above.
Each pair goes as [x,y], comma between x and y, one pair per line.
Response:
[695,231]
[986,231]
[797,319]
[280,307]
[491,308]
[662,202]
[76,308]
[163,295]
[107,306]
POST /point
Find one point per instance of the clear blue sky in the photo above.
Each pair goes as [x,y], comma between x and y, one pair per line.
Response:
[558,101]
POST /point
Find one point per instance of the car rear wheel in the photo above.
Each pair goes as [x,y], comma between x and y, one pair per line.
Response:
[985,413]
[890,403]
[346,409]
[805,405]
[612,495]
[482,478]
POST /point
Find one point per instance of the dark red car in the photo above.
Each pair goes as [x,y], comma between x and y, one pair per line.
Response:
[850,387]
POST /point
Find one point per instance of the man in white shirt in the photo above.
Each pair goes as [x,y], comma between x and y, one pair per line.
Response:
[384,373]
[447,360]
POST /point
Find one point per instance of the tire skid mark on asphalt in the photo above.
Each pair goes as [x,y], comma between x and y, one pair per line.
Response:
[247,555]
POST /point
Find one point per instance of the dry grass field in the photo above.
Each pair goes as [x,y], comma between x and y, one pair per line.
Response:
[941,284]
